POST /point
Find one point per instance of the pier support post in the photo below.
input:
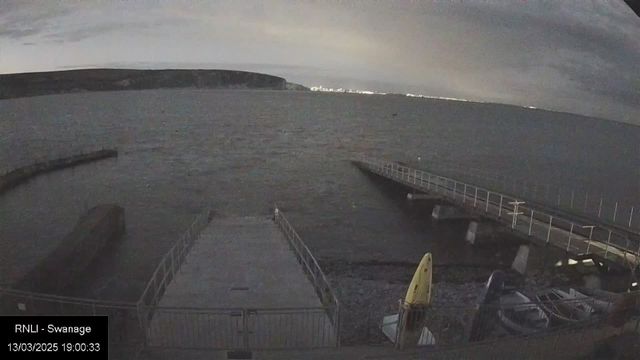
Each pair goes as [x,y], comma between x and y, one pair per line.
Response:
[443,212]
[411,196]
[527,258]
[481,231]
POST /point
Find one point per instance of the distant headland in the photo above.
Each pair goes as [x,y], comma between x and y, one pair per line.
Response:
[87,80]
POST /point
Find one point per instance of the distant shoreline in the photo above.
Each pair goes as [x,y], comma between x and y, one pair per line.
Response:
[93,80]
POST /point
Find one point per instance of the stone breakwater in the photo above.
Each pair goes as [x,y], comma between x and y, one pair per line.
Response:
[21,174]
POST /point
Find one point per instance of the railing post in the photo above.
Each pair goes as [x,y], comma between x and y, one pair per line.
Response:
[429,182]
[464,196]
[590,235]
[546,193]
[570,235]
[530,222]
[142,320]
[455,186]
[600,208]
[421,178]
[586,198]
[499,208]
[173,265]
[615,212]
[559,192]
[631,216]
[608,242]
[572,194]
[515,213]
[549,232]
[486,210]
[475,201]
[624,252]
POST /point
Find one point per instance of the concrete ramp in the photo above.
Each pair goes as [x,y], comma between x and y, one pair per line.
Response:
[249,291]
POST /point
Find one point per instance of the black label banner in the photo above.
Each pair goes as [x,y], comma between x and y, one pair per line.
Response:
[48,337]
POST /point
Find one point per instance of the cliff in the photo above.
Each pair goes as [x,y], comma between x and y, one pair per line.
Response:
[297,87]
[74,81]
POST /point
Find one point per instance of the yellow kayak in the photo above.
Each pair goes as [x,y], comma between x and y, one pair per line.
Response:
[419,292]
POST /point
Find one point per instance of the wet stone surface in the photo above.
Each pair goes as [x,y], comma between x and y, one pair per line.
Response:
[370,290]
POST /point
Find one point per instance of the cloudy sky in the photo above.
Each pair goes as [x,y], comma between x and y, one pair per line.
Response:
[579,56]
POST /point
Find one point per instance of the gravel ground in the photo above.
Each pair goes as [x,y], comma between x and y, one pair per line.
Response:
[370,290]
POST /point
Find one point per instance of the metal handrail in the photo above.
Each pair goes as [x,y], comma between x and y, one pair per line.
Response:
[175,257]
[581,201]
[542,219]
[5,291]
[311,267]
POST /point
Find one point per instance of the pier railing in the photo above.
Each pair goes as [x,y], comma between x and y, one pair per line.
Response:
[577,238]
[622,213]
[311,268]
[170,265]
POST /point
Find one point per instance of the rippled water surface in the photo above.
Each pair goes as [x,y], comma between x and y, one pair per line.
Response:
[243,151]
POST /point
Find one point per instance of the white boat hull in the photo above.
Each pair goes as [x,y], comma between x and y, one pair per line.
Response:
[519,315]
[390,330]
[565,307]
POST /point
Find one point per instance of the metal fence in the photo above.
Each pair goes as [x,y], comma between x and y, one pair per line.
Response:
[450,326]
[519,331]
[170,265]
[124,321]
[249,329]
[577,238]
[310,267]
[622,213]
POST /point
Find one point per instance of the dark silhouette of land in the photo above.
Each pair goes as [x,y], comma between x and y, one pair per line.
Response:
[77,81]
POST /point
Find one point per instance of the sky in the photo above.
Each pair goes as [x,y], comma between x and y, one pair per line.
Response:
[577,56]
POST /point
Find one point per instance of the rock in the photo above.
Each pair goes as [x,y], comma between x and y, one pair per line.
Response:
[592,282]
[534,272]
